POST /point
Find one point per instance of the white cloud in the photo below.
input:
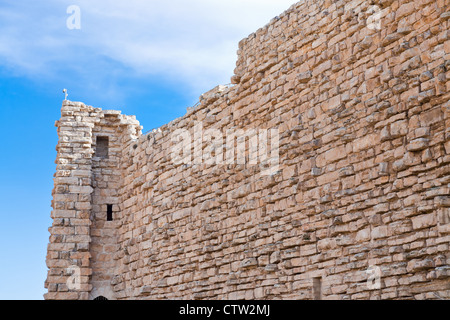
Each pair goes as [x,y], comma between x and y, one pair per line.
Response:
[193,41]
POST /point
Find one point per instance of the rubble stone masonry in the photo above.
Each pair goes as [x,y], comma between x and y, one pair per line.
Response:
[360,205]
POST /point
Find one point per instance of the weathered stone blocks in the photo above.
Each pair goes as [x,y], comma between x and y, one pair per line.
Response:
[361,187]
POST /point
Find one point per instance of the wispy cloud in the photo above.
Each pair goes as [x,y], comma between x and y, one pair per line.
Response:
[194,42]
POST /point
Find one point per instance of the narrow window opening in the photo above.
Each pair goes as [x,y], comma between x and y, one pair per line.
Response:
[109,212]
[101,149]
[317,288]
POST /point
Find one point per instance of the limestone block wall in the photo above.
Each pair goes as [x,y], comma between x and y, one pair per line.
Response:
[359,207]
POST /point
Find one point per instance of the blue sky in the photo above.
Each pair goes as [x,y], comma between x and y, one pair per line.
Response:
[152,59]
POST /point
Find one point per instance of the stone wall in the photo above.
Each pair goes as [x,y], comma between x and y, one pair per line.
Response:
[361,194]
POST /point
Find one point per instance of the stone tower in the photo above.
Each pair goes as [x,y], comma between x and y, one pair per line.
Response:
[85,201]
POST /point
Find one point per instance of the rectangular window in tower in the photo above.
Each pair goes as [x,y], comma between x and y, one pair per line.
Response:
[317,288]
[101,149]
[109,212]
